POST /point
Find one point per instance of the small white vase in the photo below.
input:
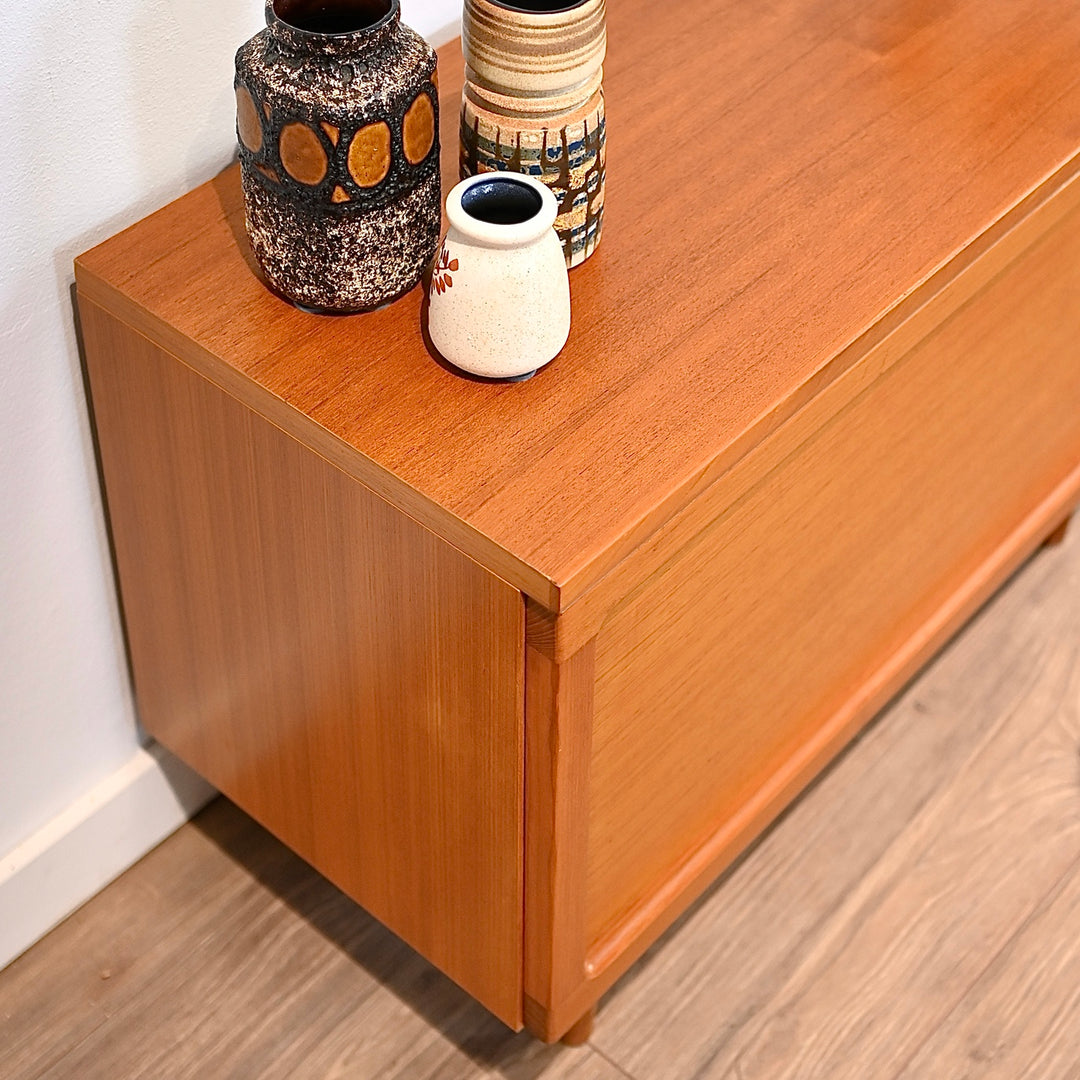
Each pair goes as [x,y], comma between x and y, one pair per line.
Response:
[499,299]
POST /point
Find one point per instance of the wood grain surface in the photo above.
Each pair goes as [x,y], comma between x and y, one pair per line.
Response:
[222,954]
[887,925]
[772,197]
[732,659]
[939,890]
[820,398]
[347,677]
[1019,1018]
[560,635]
[558,752]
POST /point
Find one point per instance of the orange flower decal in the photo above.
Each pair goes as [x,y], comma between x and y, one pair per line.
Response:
[444,267]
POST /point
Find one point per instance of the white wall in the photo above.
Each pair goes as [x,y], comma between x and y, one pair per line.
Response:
[109,108]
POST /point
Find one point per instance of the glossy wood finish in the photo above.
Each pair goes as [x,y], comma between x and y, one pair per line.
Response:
[757,635]
[949,830]
[346,676]
[852,151]
[561,634]
[728,677]
[911,915]
[558,725]
[821,397]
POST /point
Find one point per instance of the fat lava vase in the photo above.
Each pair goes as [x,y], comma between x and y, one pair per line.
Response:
[499,298]
[338,125]
[533,104]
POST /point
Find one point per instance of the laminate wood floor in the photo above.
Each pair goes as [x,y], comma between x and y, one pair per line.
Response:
[915,915]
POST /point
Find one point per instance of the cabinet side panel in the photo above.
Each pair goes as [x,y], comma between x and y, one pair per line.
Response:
[352,681]
[762,643]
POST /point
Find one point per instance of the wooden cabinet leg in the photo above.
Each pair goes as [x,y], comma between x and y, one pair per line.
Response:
[581,1032]
[1058,535]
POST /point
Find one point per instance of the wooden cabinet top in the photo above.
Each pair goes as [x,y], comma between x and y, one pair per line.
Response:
[789,184]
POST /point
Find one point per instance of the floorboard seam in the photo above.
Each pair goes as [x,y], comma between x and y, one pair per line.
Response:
[614,1064]
[1047,900]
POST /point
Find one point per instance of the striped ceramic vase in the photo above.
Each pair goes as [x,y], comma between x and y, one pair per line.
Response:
[533,104]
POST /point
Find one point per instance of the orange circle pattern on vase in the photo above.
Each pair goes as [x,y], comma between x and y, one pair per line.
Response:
[370,154]
[418,129]
[302,154]
[338,130]
[248,124]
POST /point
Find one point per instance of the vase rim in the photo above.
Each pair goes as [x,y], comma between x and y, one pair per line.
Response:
[535,55]
[520,8]
[392,14]
[496,234]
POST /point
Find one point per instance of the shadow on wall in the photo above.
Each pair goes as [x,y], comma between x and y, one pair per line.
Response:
[144,96]
[140,111]
[110,110]
[180,66]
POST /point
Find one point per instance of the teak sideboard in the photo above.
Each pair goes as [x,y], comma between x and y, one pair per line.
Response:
[522,668]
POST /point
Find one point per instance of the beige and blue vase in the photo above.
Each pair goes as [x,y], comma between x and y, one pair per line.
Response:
[533,103]
[338,122]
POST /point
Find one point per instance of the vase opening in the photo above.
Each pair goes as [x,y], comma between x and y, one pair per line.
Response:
[333,16]
[540,7]
[502,201]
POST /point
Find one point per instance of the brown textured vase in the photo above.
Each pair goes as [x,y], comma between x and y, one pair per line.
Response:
[533,104]
[338,124]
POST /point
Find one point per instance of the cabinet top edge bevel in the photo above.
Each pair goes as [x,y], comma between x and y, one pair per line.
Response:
[724,296]
[325,444]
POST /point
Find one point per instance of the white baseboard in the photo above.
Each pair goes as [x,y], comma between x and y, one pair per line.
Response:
[94,840]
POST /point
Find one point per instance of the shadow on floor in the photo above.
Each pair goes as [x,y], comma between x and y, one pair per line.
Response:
[409,977]
[416,983]
[419,986]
